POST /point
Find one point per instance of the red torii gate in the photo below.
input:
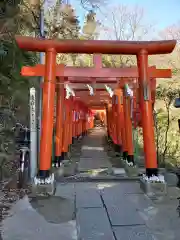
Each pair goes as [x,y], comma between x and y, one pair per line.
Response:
[140,49]
[38,70]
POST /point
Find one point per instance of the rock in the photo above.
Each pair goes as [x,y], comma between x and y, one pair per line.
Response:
[67,168]
[132,171]
[171,179]
[152,189]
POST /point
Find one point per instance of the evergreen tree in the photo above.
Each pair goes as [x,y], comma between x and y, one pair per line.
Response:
[90,28]
[61,22]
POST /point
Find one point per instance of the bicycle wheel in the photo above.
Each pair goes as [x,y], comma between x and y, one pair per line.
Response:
[23,173]
[27,167]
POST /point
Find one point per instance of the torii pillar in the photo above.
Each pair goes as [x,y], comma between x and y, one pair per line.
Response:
[49,88]
[128,127]
[147,114]
[59,123]
[120,112]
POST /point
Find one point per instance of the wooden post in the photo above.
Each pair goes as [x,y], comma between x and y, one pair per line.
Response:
[128,129]
[65,129]
[59,122]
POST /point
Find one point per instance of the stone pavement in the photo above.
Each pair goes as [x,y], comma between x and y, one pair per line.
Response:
[112,211]
[94,211]
[93,155]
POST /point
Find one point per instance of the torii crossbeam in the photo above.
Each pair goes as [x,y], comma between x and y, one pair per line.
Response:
[111,75]
[74,74]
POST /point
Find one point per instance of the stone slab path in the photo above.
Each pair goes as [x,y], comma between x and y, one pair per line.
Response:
[97,211]
[93,155]
[94,211]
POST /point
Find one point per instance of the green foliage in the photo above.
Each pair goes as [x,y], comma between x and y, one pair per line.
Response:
[166,94]
[11,65]
[14,89]
[167,136]
[175,71]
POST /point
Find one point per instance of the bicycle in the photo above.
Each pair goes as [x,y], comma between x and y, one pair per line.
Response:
[23,143]
[178,207]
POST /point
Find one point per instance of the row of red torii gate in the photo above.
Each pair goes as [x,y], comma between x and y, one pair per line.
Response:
[123,111]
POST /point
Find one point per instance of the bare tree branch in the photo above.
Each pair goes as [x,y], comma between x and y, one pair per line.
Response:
[92,4]
[122,22]
[173,59]
[171,32]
